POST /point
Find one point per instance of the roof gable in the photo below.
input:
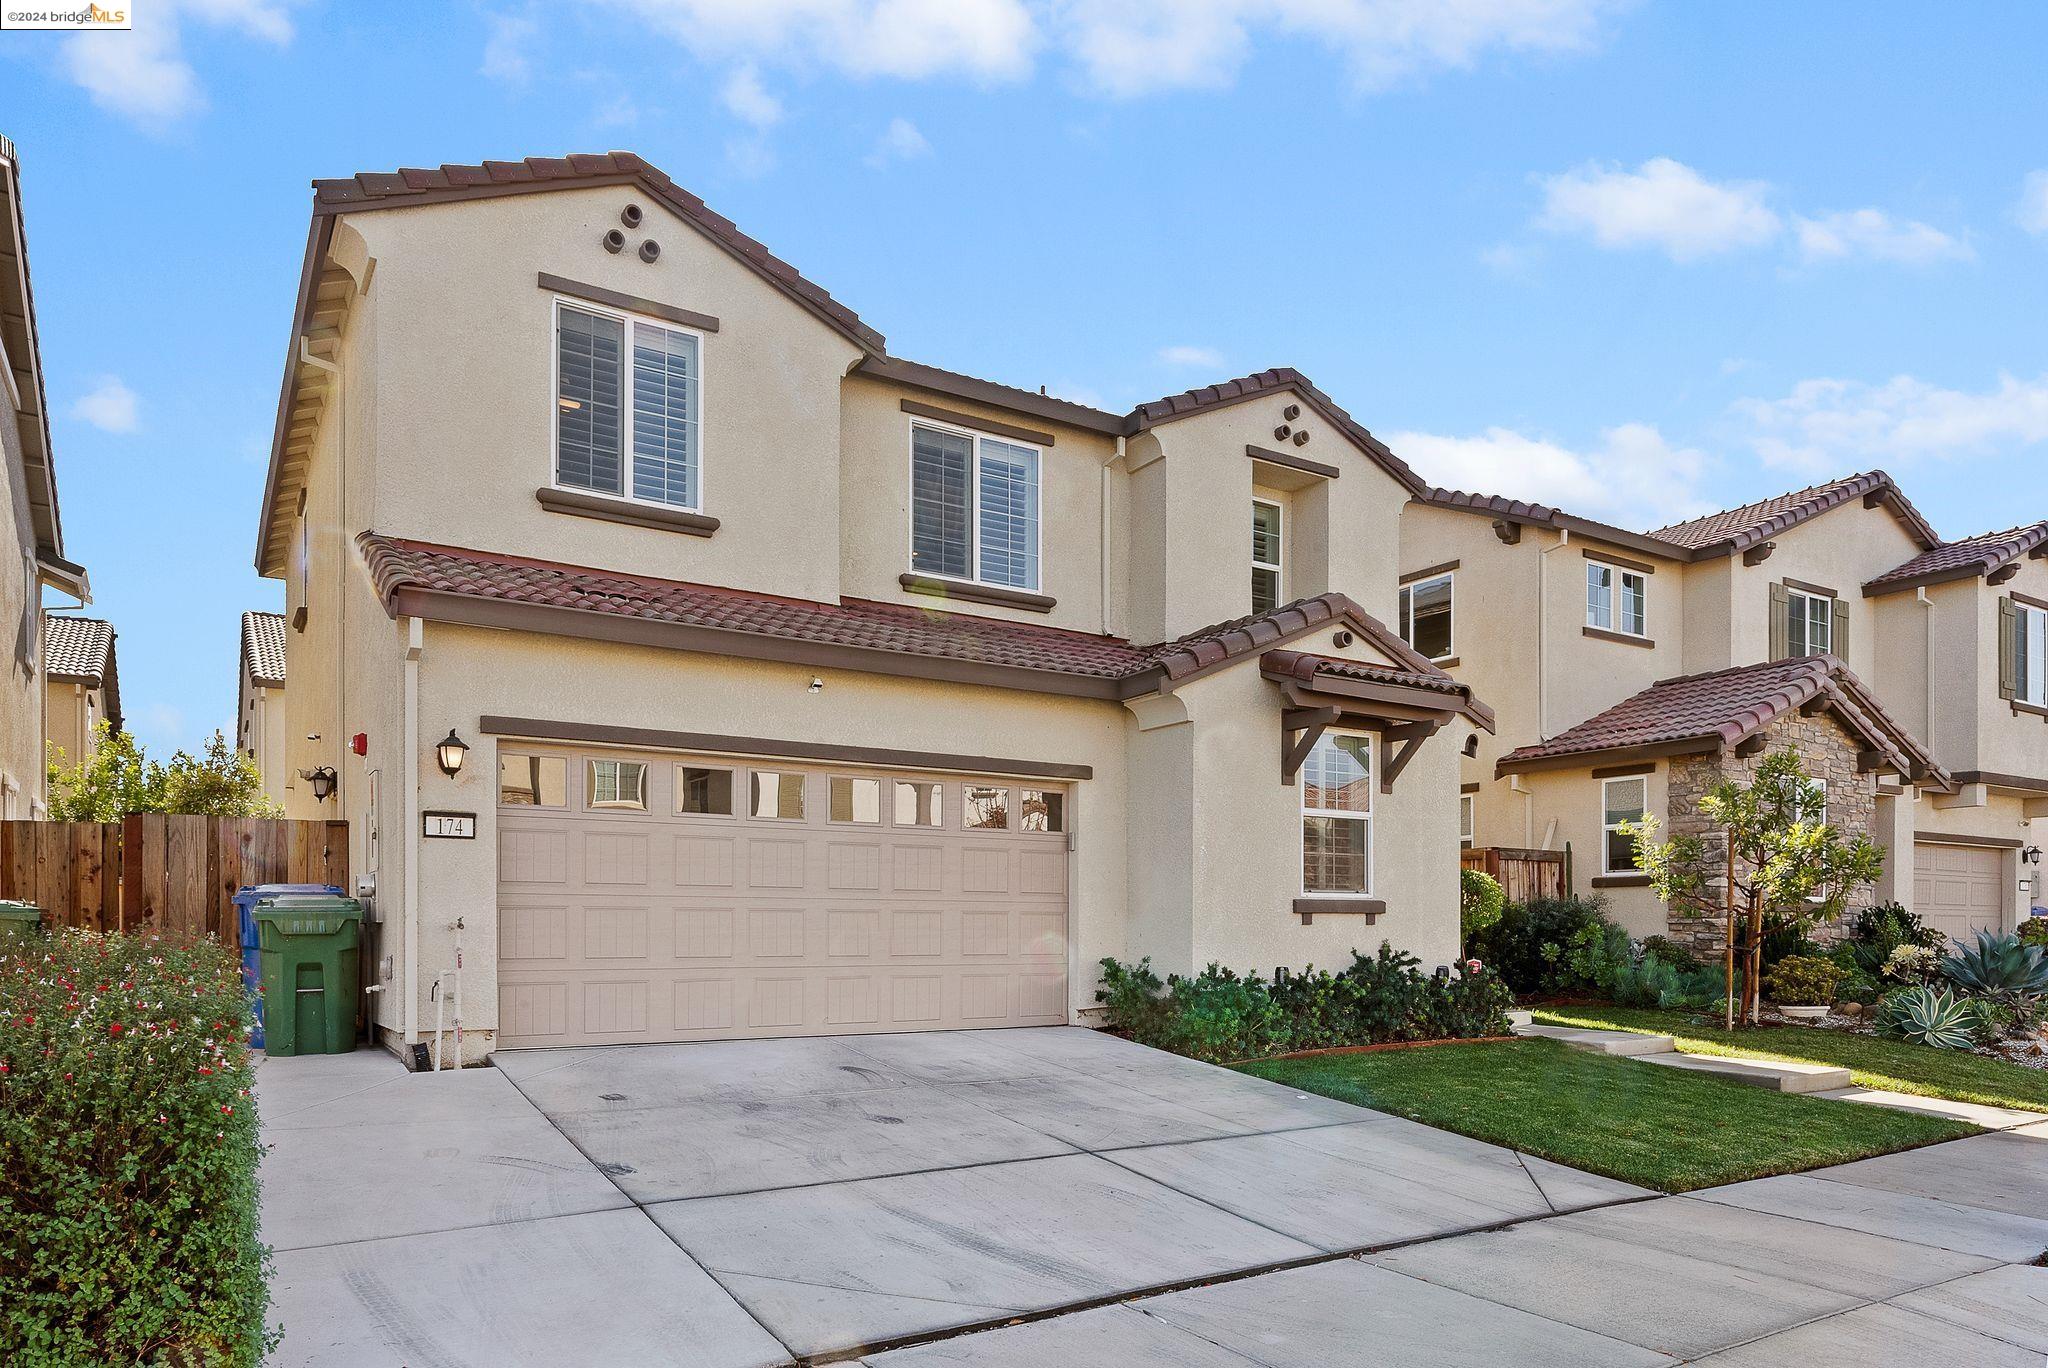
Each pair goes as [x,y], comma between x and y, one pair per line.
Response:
[1738,529]
[1981,555]
[77,648]
[1259,385]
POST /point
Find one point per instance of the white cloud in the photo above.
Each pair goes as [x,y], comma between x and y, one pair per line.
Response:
[1508,258]
[986,39]
[506,56]
[2033,208]
[1634,478]
[1826,427]
[1662,204]
[109,406]
[1874,234]
[748,101]
[142,74]
[1136,47]
[1197,358]
[901,141]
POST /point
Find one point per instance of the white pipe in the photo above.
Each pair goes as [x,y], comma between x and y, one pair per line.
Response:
[409,777]
[1102,551]
[1564,539]
[1927,632]
[438,1000]
[458,992]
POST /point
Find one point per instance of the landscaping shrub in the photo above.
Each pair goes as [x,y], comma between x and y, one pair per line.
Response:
[1803,981]
[1221,1016]
[2034,931]
[1480,900]
[1677,954]
[1652,981]
[1875,933]
[1929,1016]
[2003,967]
[1533,946]
[127,1156]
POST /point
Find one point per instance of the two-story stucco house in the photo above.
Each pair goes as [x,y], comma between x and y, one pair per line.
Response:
[805,688]
[82,685]
[31,533]
[1633,670]
[259,702]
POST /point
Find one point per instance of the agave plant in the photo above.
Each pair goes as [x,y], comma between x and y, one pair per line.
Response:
[2003,967]
[1928,1016]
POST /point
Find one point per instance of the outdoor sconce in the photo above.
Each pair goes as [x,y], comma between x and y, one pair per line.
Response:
[2032,855]
[449,754]
[322,780]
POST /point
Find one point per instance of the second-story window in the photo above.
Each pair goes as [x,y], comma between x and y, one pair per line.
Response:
[1426,616]
[2029,654]
[627,396]
[1616,599]
[1265,555]
[973,507]
[1809,623]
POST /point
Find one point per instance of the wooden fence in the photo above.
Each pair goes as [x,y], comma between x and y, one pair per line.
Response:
[173,875]
[1523,874]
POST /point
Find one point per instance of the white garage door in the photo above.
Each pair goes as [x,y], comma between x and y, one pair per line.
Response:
[1959,890]
[647,897]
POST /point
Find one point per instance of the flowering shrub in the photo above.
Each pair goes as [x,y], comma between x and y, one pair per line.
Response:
[1220,1016]
[127,1156]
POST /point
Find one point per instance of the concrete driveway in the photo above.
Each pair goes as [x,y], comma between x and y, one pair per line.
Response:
[889,1199]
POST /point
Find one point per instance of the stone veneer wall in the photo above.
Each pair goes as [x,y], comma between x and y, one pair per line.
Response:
[1826,750]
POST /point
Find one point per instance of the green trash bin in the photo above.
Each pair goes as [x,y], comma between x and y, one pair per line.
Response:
[309,951]
[20,923]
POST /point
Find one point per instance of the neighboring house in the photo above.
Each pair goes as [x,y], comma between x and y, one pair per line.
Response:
[259,702]
[82,685]
[1631,670]
[806,688]
[31,533]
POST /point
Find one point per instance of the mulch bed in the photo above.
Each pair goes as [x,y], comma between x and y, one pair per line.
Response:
[1377,1049]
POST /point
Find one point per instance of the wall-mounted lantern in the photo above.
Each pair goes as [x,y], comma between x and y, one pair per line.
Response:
[449,754]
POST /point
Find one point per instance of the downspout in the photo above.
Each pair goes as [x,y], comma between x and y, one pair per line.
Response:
[409,779]
[1102,550]
[1927,636]
[1564,539]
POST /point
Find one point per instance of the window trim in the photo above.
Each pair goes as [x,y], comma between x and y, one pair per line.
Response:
[1608,828]
[1793,595]
[1278,567]
[554,397]
[1620,573]
[1468,821]
[2027,689]
[975,437]
[1404,616]
[1304,812]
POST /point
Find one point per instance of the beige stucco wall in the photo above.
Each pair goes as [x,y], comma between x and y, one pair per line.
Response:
[1566,804]
[1074,490]
[261,731]
[465,404]
[70,711]
[21,680]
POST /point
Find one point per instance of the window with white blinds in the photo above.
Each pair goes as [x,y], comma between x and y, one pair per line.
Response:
[973,507]
[612,400]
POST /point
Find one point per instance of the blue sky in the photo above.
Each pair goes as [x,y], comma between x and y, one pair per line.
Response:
[1638,259]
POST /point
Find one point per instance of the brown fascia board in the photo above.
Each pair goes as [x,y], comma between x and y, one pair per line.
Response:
[1380,453]
[917,375]
[1610,755]
[2017,783]
[468,610]
[39,467]
[319,234]
[1535,515]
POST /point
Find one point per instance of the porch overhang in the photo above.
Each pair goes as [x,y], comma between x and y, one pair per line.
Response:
[1403,708]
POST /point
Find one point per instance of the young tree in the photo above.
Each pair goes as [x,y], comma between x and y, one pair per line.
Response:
[1771,867]
[118,779]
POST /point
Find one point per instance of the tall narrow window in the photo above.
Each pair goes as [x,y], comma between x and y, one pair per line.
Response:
[2030,655]
[1467,823]
[1426,616]
[1621,801]
[1265,555]
[1336,815]
[1616,600]
[973,507]
[1809,623]
[611,399]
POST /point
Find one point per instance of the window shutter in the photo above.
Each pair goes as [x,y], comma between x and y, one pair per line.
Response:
[1841,634]
[2008,637]
[1781,645]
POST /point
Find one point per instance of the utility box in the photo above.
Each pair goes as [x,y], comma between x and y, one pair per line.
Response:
[245,926]
[20,923]
[310,951]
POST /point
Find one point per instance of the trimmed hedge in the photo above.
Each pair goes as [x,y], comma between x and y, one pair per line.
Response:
[1222,1017]
[128,1225]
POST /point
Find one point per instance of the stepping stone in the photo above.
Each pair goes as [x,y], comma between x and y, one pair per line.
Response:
[1976,1113]
[1627,1043]
[1779,1075]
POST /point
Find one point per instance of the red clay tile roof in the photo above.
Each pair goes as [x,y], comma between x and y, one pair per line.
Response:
[263,648]
[1704,712]
[417,577]
[1738,529]
[1965,559]
[1305,666]
[77,647]
[388,189]
[1190,402]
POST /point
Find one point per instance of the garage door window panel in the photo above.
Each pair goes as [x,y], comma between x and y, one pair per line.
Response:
[1043,810]
[918,804]
[533,781]
[616,785]
[985,808]
[776,795]
[856,801]
[702,791]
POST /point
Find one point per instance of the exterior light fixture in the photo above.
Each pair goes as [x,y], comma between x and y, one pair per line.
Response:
[322,781]
[2032,855]
[449,753]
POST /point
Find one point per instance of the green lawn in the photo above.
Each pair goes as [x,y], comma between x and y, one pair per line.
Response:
[1656,1127]
[1872,1062]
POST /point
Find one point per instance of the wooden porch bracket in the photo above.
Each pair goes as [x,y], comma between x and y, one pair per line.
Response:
[1409,738]
[1310,723]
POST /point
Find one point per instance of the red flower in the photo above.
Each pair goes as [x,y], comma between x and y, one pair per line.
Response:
[114,1029]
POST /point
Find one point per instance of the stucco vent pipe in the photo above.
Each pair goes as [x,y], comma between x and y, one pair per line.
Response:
[615,242]
[649,250]
[630,216]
